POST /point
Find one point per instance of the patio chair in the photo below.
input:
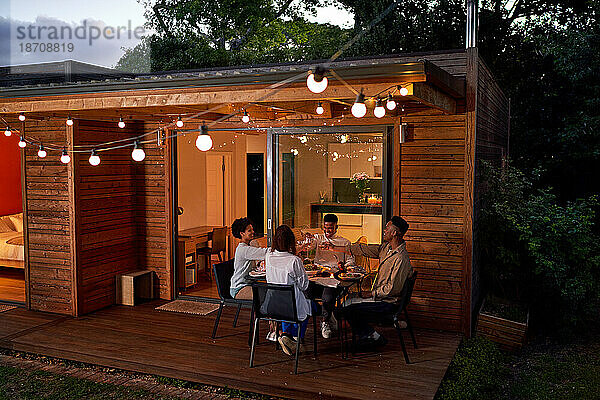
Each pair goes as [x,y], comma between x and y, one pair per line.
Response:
[218,246]
[275,302]
[223,273]
[393,318]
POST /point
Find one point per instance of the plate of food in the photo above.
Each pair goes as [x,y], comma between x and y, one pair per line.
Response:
[349,276]
[257,274]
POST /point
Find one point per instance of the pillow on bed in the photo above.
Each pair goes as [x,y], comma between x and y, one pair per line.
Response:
[6,225]
[17,220]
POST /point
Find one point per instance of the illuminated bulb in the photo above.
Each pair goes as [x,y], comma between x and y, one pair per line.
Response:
[403,91]
[179,122]
[64,158]
[369,159]
[41,152]
[121,125]
[94,159]
[320,109]
[22,143]
[303,139]
[317,82]
[379,109]
[374,158]
[204,141]
[245,117]
[138,153]
[359,109]
[69,121]
[343,138]
[7,132]
[390,103]
[294,151]
[21,117]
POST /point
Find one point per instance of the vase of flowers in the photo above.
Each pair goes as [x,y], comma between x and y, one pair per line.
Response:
[361,181]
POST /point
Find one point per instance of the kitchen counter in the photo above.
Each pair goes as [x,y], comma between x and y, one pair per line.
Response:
[345,208]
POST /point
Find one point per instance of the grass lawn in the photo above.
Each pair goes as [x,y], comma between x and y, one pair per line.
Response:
[540,371]
[20,384]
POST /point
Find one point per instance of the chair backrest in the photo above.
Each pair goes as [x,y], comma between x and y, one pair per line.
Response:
[274,301]
[223,273]
[361,260]
[219,239]
[407,291]
[298,234]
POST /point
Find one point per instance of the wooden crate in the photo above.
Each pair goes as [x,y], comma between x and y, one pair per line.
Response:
[133,286]
[510,335]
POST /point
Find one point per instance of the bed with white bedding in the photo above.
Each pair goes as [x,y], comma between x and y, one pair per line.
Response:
[12,251]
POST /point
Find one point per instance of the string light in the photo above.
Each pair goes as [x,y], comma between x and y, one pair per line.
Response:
[69,121]
[41,152]
[21,117]
[320,110]
[22,142]
[390,103]
[245,117]
[303,139]
[379,109]
[204,141]
[121,124]
[64,158]
[179,122]
[138,153]
[294,151]
[403,91]
[343,138]
[317,81]
[7,132]
[359,109]
[94,159]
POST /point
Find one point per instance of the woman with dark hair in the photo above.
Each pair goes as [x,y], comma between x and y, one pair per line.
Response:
[284,267]
[244,260]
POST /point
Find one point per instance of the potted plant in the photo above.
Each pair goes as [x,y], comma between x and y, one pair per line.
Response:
[503,322]
[361,181]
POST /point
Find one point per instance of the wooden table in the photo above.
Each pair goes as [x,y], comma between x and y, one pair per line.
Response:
[188,241]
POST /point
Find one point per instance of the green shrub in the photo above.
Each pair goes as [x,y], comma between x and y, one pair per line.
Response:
[476,372]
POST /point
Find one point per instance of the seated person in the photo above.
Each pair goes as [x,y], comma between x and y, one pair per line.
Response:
[331,251]
[284,267]
[244,259]
[394,269]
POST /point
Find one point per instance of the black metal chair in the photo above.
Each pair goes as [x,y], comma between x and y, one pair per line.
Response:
[275,302]
[393,317]
[223,273]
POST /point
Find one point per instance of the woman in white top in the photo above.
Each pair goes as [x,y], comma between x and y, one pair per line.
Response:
[284,267]
[245,257]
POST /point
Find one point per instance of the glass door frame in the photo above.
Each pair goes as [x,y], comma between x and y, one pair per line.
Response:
[272,165]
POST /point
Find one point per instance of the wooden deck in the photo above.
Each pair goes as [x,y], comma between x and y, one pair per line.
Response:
[179,346]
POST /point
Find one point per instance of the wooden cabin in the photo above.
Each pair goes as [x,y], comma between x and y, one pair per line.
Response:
[84,224]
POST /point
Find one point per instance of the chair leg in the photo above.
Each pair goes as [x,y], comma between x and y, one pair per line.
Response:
[314,318]
[410,329]
[297,351]
[250,331]
[237,314]
[254,336]
[214,333]
[402,343]
[220,258]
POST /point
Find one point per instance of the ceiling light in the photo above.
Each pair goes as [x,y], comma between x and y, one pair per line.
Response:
[204,141]
[320,110]
[317,81]
[41,152]
[138,153]
[359,109]
[403,91]
[94,159]
[65,158]
[390,103]
[379,109]
[121,123]
[179,122]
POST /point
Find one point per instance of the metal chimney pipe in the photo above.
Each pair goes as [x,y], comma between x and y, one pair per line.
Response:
[472,19]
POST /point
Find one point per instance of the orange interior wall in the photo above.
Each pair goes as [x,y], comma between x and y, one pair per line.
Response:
[10,175]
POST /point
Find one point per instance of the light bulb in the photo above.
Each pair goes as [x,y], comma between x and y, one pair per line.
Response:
[121,124]
[64,158]
[22,143]
[374,158]
[320,110]
[317,81]
[204,141]
[403,91]
[303,139]
[69,121]
[359,109]
[41,152]
[94,159]
[294,151]
[179,122]
[245,117]
[21,117]
[390,103]
[7,132]
[138,153]
[379,109]
[343,138]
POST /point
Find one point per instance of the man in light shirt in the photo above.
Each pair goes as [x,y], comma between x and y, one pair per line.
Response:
[331,250]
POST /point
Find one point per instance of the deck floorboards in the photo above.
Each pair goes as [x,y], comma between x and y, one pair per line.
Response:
[179,345]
